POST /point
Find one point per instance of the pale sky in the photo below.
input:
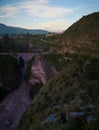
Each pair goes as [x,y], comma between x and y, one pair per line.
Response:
[51,15]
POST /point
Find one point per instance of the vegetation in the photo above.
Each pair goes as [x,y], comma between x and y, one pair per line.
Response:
[69,87]
[9,75]
[75,88]
[81,37]
[75,54]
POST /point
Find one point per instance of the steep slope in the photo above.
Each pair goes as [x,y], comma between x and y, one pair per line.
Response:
[76,87]
[16,30]
[82,36]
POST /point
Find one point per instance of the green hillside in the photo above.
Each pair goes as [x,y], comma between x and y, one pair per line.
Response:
[82,36]
[76,87]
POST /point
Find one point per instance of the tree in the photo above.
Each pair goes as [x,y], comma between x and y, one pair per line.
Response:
[6,38]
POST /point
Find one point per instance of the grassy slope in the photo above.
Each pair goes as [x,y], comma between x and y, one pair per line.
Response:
[82,36]
[78,83]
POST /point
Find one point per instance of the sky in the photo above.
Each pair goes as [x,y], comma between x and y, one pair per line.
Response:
[51,15]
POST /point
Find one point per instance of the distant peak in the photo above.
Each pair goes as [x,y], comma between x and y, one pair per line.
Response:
[2,24]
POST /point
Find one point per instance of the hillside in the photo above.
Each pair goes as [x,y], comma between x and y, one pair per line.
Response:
[16,30]
[74,92]
[82,36]
[74,88]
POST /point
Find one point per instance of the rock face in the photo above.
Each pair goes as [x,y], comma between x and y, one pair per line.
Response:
[16,103]
[37,71]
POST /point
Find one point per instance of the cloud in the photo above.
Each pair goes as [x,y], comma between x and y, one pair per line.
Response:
[43,9]
[37,8]
[46,15]
[48,12]
[42,1]
[8,11]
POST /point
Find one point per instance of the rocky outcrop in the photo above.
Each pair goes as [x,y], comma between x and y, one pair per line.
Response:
[37,71]
[16,103]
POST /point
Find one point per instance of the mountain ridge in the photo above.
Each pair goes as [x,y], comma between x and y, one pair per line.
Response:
[18,30]
[84,32]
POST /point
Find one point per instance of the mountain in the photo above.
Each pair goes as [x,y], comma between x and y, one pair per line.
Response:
[82,36]
[16,30]
[70,100]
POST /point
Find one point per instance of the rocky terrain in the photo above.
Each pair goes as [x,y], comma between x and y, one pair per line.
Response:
[16,103]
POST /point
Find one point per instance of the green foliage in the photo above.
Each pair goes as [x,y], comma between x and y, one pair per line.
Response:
[82,36]
[90,89]
[56,60]
[38,87]
[73,124]
[6,39]
[68,96]
[92,69]
[92,125]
